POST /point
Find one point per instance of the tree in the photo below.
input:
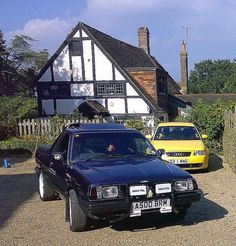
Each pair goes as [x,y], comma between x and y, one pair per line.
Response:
[20,65]
[230,85]
[209,119]
[11,110]
[2,44]
[210,76]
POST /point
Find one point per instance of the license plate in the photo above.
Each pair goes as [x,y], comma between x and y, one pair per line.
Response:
[163,204]
[174,161]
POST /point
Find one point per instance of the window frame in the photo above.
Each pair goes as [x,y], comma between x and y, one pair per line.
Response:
[107,88]
[72,50]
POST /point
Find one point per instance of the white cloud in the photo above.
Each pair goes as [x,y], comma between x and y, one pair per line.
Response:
[49,33]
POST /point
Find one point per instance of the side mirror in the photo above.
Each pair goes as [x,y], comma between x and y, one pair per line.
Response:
[58,156]
[149,137]
[204,136]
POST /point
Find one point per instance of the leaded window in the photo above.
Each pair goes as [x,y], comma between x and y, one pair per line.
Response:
[110,89]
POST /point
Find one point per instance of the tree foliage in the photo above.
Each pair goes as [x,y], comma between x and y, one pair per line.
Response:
[19,64]
[211,76]
[12,109]
[209,119]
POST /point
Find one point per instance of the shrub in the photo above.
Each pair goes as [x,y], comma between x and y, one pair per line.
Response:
[25,144]
[12,109]
[209,119]
[142,125]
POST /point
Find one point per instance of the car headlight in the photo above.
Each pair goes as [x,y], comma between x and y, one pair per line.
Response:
[185,185]
[199,152]
[107,191]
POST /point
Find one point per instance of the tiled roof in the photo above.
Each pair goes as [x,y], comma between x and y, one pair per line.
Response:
[207,98]
[173,87]
[124,54]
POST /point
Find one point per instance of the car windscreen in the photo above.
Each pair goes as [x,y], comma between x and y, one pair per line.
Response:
[106,145]
[176,133]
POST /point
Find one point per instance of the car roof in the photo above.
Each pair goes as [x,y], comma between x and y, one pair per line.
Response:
[97,127]
[176,124]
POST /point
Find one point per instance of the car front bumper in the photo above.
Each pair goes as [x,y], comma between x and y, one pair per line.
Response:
[121,208]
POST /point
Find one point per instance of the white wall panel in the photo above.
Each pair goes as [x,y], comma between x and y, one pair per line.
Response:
[84,35]
[103,66]
[130,90]
[118,75]
[116,105]
[47,77]
[137,105]
[61,66]
[77,34]
[88,60]
[47,107]
[76,68]
[67,106]
[81,90]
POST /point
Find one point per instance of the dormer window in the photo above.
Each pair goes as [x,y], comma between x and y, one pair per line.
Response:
[161,81]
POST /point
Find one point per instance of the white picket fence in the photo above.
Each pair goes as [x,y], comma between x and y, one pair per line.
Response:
[48,126]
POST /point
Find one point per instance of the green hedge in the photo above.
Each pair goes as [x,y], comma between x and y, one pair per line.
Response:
[23,145]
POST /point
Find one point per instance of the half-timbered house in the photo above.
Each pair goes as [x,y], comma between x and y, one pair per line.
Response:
[91,65]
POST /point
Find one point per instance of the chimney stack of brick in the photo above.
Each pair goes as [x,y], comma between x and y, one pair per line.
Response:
[143,39]
[184,68]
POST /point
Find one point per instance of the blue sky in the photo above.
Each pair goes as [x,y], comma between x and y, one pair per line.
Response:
[211,25]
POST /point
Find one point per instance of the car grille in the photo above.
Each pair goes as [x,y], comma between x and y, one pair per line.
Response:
[178,154]
[190,165]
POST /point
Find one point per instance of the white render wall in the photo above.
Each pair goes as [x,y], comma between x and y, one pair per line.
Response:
[130,90]
[76,68]
[88,61]
[103,66]
[77,90]
[61,66]
[137,105]
[116,105]
[118,75]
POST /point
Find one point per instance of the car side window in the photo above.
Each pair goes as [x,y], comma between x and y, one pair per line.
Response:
[62,143]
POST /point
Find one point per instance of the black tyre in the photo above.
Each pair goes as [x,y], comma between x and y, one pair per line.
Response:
[77,217]
[46,193]
[179,214]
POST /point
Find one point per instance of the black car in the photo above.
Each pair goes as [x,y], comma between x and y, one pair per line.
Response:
[109,172]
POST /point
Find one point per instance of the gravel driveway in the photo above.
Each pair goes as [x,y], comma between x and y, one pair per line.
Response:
[25,220]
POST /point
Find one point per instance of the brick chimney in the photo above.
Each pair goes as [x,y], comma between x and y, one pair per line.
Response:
[184,67]
[143,39]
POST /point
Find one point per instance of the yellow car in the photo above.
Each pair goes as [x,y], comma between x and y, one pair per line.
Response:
[181,144]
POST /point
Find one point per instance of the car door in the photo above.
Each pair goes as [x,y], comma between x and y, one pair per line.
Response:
[58,167]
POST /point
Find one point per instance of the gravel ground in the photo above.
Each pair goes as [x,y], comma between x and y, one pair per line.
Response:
[25,220]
